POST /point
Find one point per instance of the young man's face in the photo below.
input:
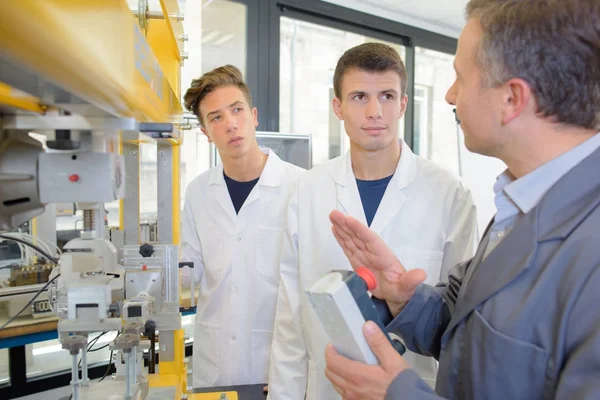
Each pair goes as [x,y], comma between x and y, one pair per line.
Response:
[477,107]
[371,106]
[229,122]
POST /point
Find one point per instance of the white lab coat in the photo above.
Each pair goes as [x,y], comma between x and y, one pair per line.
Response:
[236,265]
[426,216]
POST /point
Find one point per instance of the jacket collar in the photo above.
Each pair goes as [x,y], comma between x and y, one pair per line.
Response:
[556,216]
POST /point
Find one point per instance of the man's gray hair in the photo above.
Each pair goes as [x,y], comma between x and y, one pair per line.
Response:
[553,45]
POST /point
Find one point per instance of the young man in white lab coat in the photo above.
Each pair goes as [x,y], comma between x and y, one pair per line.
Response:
[422,211]
[232,227]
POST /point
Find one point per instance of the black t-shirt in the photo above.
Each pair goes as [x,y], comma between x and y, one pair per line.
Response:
[371,193]
[239,191]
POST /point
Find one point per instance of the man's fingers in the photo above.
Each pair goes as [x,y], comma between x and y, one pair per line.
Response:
[337,381]
[360,230]
[342,224]
[339,364]
[337,217]
[266,389]
[379,343]
[356,257]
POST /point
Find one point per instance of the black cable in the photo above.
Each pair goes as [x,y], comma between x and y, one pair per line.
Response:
[29,302]
[108,367]
[42,252]
[29,244]
[99,348]
[91,344]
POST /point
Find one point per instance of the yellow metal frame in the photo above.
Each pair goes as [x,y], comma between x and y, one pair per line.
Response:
[212,396]
[16,99]
[119,74]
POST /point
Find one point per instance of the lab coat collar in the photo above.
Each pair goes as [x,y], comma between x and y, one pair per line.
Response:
[272,174]
[394,198]
[403,176]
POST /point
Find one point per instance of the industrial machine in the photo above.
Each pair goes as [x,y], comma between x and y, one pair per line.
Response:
[59,80]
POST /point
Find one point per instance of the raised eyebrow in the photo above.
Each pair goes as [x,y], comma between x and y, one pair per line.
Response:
[208,115]
[357,93]
[236,103]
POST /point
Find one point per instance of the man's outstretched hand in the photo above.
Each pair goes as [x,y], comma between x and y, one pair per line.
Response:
[364,248]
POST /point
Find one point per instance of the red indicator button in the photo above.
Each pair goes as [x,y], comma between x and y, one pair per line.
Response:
[368,277]
[74,178]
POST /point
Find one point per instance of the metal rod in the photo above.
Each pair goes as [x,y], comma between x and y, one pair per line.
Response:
[128,378]
[159,15]
[84,368]
[75,378]
[134,367]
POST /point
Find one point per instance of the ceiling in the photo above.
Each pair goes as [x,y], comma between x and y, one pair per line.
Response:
[441,16]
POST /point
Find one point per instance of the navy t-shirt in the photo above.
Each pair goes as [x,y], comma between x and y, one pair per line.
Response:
[239,191]
[371,193]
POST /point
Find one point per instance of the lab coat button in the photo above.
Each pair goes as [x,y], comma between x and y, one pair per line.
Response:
[233,337]
[236,288]
[239,238]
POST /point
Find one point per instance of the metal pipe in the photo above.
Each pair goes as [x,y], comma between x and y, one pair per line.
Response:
[84,368]
[134,367]
[128,379]
[159,15]
[75,378]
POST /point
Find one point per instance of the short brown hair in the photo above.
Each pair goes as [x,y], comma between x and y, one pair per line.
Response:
[553,45]
[369,57]
[227,75]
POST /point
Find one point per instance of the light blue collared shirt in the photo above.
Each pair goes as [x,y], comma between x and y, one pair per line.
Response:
[516,197]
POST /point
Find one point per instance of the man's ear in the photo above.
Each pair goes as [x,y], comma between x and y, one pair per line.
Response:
[206,134]
[337,108]
[517,96]
[255,116]
[403,103]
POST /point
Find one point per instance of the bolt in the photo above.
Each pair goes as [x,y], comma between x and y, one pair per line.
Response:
[131,281]
[161,153]
[163,348]
[133,153]
[153,280]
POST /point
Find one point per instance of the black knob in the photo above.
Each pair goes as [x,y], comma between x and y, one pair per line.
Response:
[146,250]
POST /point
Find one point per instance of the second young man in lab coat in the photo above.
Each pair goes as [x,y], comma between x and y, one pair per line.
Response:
[421,210]
[232,228]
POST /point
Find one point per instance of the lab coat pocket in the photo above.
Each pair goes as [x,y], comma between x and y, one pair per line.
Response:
[261,355]
[206,354]
[430,261]
[269,246]
[501,366]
